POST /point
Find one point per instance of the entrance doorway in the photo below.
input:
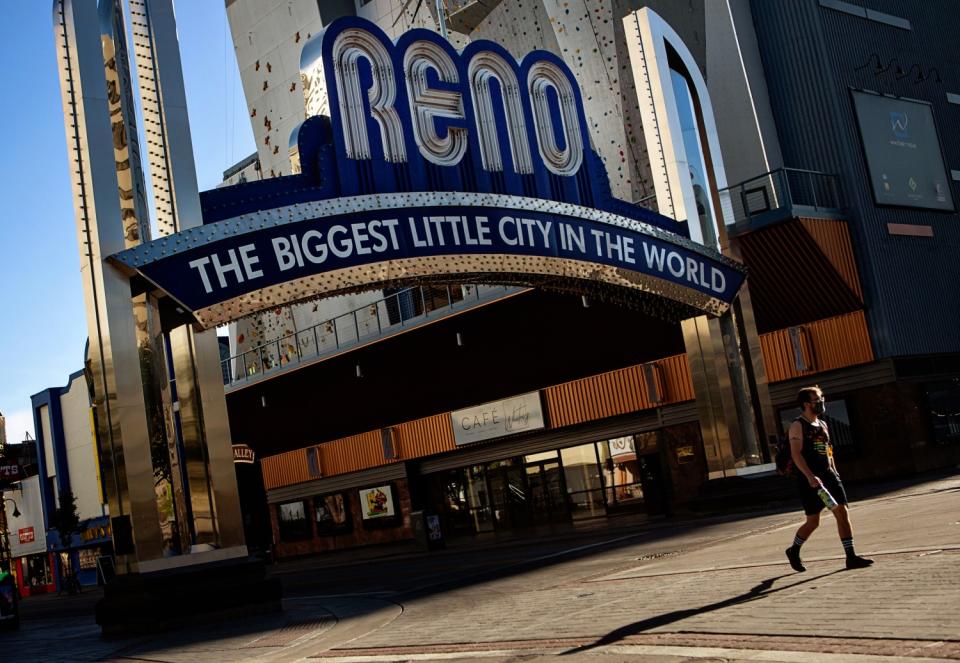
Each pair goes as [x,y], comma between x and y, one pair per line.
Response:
[508,494]
[548,503]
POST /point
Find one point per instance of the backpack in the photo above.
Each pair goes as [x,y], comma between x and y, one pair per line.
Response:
[783,457]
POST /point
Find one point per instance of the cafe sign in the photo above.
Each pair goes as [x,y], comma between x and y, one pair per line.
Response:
[498,418]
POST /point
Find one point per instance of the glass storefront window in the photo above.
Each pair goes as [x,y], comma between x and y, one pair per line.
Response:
[581,470]
[294,525]
[478,499]
[944,402]
[536,458]
[621,470]
[508,494]
[36,571]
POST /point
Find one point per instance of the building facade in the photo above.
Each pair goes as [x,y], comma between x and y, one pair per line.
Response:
[761,116]
[67,460]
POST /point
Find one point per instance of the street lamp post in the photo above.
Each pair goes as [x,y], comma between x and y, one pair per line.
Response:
[7,553]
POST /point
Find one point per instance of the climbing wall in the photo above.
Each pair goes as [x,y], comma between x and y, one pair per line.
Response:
[586,34]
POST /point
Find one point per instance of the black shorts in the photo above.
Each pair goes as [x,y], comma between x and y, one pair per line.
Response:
[812,504]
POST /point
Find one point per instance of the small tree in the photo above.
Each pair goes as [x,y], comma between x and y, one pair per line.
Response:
[67,523]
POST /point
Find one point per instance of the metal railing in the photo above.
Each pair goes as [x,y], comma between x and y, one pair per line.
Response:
[780,194]
[384,317]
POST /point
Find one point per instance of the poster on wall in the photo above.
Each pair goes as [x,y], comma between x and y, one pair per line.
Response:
[903,152]
[377,502]
[332,513]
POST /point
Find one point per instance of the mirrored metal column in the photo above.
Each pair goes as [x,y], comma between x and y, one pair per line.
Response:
[170,486]
[205,433]
[115,366]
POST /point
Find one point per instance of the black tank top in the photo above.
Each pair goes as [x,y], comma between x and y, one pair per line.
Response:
[817,449]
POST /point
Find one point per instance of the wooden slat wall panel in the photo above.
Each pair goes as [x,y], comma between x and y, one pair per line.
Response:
[353,453]
[833,343]
[424,437]
[284,469]
[596,397]
[679,381]
[833,238]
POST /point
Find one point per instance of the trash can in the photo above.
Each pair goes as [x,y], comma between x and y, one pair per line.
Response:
[427,530]
[9,602]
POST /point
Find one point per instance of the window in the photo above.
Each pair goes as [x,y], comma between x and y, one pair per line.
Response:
[697,171]
[332,514]
[294,525]
[581,469]
[943,399]
[621,470]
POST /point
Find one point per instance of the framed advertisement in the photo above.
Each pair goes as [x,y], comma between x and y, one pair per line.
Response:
[332,513]
[378,506]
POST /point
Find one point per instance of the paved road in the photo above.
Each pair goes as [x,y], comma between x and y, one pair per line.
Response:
[708,590]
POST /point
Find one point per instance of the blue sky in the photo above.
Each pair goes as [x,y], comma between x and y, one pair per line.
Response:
[42,320]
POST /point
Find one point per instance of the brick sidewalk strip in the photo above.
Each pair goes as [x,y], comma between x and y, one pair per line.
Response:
[892,647]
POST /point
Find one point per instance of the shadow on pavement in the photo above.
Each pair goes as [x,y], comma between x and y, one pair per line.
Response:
[399,573]
[759,591]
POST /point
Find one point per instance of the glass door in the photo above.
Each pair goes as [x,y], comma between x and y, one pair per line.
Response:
[547,494]
[508,495]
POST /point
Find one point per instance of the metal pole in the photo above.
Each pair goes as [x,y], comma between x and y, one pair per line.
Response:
[7,556]
[442,19]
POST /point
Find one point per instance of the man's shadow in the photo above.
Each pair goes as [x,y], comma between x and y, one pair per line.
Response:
[759,591]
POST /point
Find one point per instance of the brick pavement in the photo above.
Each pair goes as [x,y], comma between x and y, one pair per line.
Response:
[740,591]
[721,591]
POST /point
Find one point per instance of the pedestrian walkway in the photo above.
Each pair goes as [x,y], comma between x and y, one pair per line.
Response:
[723,591]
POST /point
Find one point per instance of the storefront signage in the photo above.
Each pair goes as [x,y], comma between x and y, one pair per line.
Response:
[499,418]
[243,454]
[26,534]
[377,502]
[93,533]
[622,449]
[10,472]
[431,164]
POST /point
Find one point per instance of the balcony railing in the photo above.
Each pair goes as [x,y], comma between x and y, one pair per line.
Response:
[780,194]
[385,317]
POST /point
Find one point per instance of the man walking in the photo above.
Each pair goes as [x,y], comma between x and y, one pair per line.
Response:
[812,455]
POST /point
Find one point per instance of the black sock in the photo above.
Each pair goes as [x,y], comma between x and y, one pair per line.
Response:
[798,541]
[848,547]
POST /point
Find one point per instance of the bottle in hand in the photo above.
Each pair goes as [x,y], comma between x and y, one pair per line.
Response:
[828,500]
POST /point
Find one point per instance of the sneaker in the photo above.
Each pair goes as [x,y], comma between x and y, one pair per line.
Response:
[794,556]
[858,562]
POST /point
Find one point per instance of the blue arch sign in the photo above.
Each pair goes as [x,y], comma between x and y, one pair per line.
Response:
[428,164]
